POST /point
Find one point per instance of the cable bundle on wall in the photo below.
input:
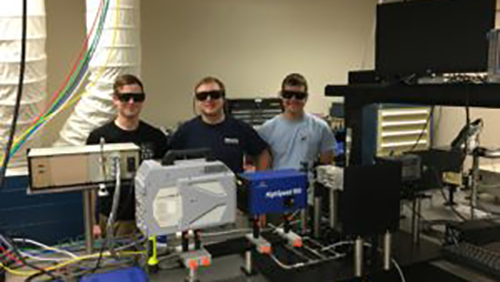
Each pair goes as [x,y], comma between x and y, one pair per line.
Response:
[118,52]
[33,76]
[68,93]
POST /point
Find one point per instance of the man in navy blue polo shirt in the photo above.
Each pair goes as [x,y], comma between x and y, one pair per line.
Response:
[229,138]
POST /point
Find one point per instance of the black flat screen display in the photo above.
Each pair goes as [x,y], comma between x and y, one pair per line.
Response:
[433,36]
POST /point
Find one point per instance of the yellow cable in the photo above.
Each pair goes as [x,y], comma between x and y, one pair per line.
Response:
[100,71]
[72,261]
[78,96]
[68,104]
[14,272]
[66,263]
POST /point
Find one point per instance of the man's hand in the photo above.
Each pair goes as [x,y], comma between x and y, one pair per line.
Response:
[96,231]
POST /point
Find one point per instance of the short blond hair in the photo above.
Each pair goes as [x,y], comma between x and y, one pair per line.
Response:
[208,80]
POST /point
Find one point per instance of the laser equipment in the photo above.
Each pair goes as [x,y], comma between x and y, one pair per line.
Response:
[76,168]
[278,192]
[182,196]
[271,192]
[187,195]
[81,168]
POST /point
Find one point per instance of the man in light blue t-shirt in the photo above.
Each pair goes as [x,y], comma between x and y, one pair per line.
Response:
[296,137]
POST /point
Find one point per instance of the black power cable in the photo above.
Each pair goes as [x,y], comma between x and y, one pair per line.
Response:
[105,242]
[10,140]
[101,253]
[424,128]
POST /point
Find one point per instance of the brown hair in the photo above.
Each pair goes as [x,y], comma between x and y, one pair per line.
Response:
[126,79]
[294,79]
[208,80]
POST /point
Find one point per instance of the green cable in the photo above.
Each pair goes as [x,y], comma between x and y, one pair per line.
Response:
[84,61]
[72,81]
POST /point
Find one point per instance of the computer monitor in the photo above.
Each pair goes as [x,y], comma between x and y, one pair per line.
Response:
[432,36]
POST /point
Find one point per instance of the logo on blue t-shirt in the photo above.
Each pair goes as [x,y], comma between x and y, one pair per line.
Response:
[231,141]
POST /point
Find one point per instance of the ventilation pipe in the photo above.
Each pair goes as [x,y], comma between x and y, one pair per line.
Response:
[117,53]
[35,77]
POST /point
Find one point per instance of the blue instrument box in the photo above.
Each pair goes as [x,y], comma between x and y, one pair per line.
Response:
[272,191]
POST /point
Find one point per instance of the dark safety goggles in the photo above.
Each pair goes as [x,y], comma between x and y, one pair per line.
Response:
[297,95]
[214,95]
[137,97]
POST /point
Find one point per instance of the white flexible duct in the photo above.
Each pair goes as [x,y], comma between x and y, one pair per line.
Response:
[35,79]
[118,52]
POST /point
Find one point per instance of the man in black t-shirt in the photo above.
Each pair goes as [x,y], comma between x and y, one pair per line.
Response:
[128,98]
[230,139]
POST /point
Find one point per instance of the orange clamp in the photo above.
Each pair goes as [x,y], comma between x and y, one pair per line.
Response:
[265,249]
[193,264]
[297,243]
[205,261]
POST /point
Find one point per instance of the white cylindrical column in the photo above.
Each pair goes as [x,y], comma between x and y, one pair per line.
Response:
[35,77]
[118,52]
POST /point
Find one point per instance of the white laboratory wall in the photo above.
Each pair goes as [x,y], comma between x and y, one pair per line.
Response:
[250,44]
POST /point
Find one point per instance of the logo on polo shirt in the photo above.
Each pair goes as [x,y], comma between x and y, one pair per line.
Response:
[147,151]
[231,141]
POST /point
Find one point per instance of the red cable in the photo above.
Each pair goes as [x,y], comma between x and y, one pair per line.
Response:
[8,253]
[82,52]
